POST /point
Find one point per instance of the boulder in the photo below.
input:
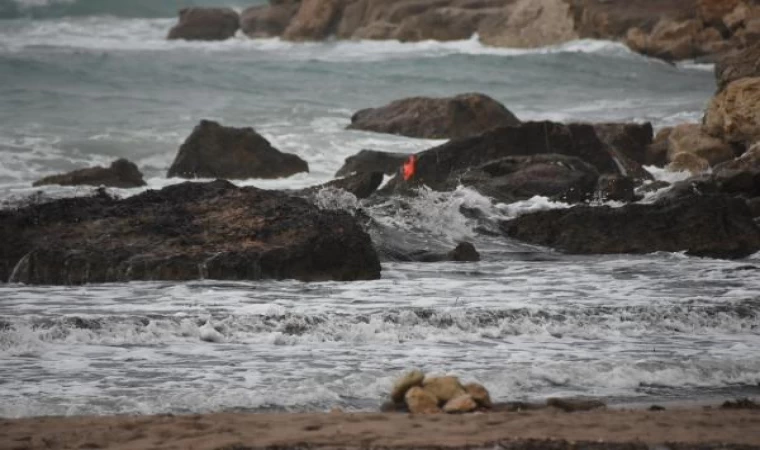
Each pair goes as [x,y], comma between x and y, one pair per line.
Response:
[420,401]
[464,252]
[736,65]
[216,151]
[435,118]
[733,115]
[442,24]
[513,178]
[711,225]
[372,161]
[443,388]
[529,24]
[691,138]
[206,24]
[315,20]
[460,405]
[688,162]
[120,174]
[361,185]
[669,40]
[441,167]
[183,232]
[480,394]
[267,21]
[615,188]
[406,382]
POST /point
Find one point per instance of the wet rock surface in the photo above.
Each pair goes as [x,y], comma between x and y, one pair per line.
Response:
[183,232]
[120,174]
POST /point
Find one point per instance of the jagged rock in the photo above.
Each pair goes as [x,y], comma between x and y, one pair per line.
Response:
[688,162]
[691,138]
[435,118]
[216,151]
[575,404]
[267,20]
[206,24]
[711,225]
[733,114]
[315,20]
[120,174]
[443,388]
[183,232]
[480,394]
[406,382]
[530,23]
[460,405]
[372,161]
[361,185]
[420,401]
[739,64]
[615,188]
[514,178]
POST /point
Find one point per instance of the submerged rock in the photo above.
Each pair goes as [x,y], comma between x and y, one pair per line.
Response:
[120,174]
[711,225]
[435,118]
[216,151]
[206,24]
[183,232]
[372,161]
[315,20]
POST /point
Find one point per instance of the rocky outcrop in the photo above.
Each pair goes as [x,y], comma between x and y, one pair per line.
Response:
[739,64]
[206,24]
[315,20]
[216,151]
[267,20]
[435,118]
[733,115]
[513,178]
[368,161]
[530,23]
[691,138]
[442,168]
[712,225]
[183,232]
[120,174]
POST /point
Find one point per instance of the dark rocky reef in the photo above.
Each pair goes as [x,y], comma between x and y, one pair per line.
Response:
[206,24]
[714,226]
[120,174]
[435,118]
[216,151]
[183,232]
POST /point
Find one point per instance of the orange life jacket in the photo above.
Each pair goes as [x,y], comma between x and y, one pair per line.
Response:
[410,166]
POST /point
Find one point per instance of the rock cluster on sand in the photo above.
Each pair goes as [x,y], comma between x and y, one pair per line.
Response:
[421,394]
[120,174]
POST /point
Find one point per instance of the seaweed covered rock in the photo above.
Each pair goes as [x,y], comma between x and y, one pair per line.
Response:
[435,118]
[188,231]
[120,174]
[206,24]
[216,151]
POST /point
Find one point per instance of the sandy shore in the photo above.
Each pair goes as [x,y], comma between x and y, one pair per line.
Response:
[690,428]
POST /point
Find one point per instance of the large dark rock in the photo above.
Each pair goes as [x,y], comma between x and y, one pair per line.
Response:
[435,118]
[206,24]
[630,139]
[736,65]
[713,226]
[183,232]
[120,174]
[441,167]
[368,161]
[267,20]
[216,151]
[361,185]
[514,178]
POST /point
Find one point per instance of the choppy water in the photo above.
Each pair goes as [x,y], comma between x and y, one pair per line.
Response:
[84,82]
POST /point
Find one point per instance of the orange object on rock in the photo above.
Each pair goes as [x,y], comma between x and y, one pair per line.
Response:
[410,166]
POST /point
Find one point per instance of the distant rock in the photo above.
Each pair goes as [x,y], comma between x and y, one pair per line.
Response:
[315,20]
[711,225]
[206,24]
[733,114]
[183,232]
[435,118]
[669,40]
[216,151]
[744,63]
[529,24]
[267,20]
[120,174]
[368,161]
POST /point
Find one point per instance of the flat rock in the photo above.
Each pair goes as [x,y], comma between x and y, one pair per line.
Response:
[187,231]
[120,174]
[712,225]
[216,151]
[435,118]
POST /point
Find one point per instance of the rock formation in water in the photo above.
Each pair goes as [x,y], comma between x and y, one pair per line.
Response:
[120,174]
[435,118]
[206,24]
[216,151]
[187,231]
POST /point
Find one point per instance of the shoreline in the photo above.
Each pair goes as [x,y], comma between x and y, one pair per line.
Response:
[549,428]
